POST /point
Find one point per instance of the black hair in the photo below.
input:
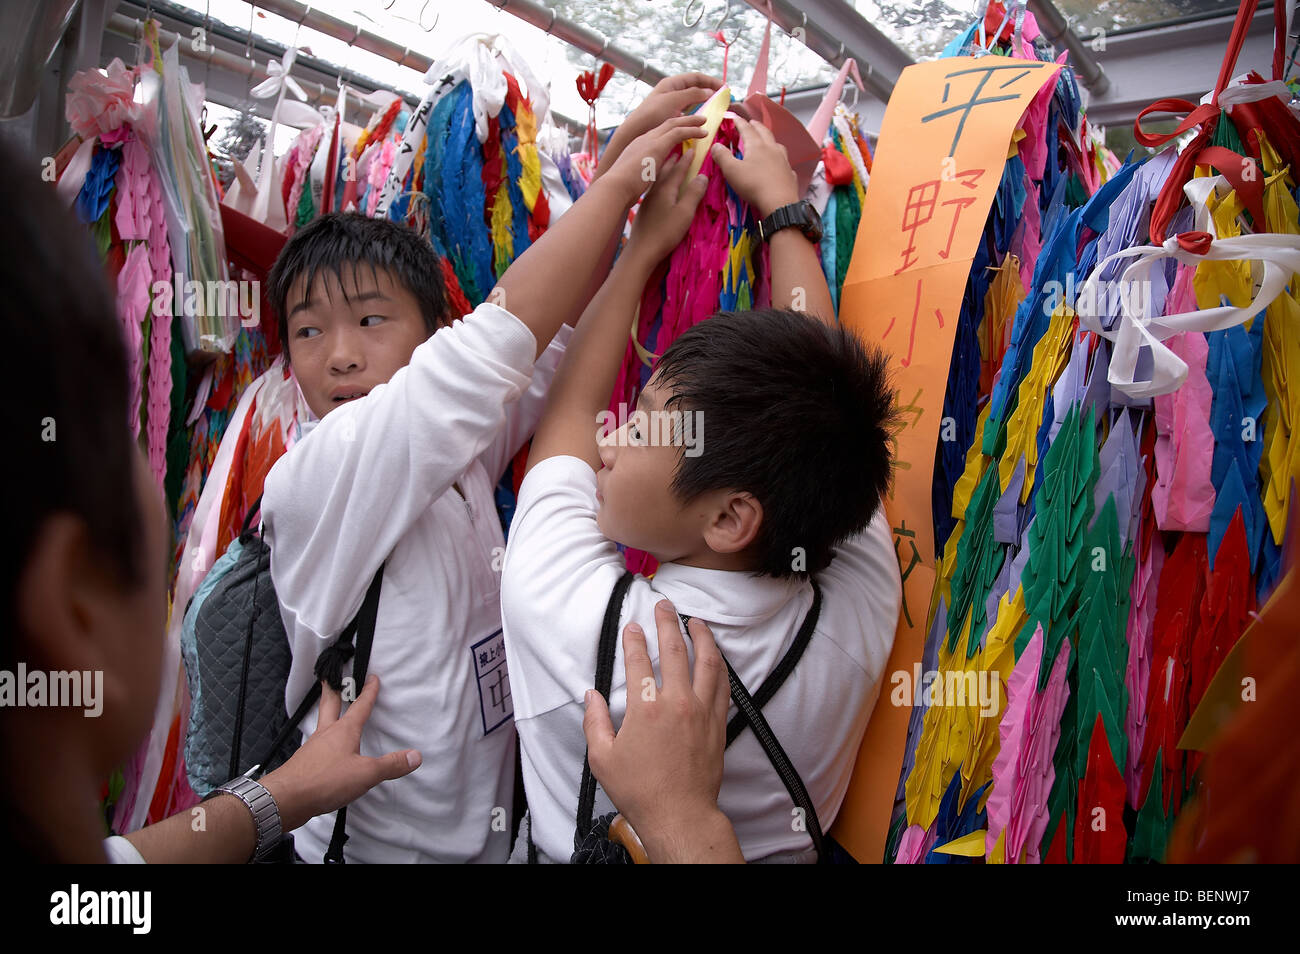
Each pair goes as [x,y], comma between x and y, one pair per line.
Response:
[339,239]
[797,413]
[67,418]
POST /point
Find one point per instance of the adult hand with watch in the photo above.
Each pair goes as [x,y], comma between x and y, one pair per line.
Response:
[325,774]
[764,179]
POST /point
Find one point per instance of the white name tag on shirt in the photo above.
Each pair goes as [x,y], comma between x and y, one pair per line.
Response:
[495,704]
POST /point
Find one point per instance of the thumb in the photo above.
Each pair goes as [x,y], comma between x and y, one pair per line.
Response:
[724,159]
[596,724]
[690,196]
[395,765]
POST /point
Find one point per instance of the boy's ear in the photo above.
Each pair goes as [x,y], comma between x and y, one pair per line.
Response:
[735,524]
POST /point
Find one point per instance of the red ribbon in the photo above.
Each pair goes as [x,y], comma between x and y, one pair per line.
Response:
[839,170]
[1205,117]
[1198,243]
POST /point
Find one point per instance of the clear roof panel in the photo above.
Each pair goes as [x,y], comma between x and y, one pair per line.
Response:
[654,30]
[658,31]
[924,27]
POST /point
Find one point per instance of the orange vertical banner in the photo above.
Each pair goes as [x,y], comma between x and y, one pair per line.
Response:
[943,143]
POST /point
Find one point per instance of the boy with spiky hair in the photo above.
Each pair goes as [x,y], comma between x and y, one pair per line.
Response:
[783,483]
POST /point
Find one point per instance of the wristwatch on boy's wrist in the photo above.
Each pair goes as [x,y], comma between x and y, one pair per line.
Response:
[266,814]
[801,215]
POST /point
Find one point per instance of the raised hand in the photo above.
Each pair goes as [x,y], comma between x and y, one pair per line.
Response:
[669,98]
[666,211]
[763,178]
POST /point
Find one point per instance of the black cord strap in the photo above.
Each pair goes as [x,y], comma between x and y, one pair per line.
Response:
[748,714]
[776,755]
[777,677]
[364,626]
[604,678]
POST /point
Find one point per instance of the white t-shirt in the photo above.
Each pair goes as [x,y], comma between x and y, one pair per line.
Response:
[559,573]
[372,482]
[119,851]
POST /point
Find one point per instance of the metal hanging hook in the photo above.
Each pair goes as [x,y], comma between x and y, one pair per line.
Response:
[419,19]
[248,55]
[723,19]
[207,62]
[437,15]
[338,80]
[726,13]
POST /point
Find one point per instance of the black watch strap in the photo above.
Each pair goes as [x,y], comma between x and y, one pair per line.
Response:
[801,215]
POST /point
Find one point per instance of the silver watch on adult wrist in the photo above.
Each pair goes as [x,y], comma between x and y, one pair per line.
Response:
[266,814]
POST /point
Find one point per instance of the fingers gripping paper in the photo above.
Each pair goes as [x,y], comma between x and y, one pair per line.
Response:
[943,143]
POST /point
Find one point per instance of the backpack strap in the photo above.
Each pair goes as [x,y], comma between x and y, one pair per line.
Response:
[329,667]
[753,715]
[777,677]
[364,625]
[253,510]
[749,713]
[604,678]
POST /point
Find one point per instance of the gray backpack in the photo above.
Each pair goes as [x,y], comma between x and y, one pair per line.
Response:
[237,659]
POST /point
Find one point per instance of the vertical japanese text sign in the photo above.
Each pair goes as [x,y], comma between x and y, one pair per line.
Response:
[943,144]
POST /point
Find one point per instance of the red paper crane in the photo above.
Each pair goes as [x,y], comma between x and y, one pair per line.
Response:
[1099,834]
[589,88]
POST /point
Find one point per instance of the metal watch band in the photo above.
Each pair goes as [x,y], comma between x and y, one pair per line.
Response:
[266,814]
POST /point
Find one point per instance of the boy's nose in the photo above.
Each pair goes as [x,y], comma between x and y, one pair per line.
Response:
[607,449]
[345,353]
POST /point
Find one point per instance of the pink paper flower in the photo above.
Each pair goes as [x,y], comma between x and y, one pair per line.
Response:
[98,104]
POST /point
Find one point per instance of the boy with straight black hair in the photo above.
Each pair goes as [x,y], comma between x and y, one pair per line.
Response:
[788,417]
[336,239]
[414,430]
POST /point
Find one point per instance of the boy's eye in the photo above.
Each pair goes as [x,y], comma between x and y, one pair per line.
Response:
[634,433]
[374,318]
[307,332]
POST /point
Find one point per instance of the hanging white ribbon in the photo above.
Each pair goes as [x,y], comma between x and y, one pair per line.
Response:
[276,83]
[1280,256]
[415,131]
[1240,91]
[74,174]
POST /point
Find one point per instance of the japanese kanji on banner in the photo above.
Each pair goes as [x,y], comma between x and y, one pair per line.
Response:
[943,144]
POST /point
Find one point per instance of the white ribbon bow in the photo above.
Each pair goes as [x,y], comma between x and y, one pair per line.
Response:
[1280,256]
[279,78]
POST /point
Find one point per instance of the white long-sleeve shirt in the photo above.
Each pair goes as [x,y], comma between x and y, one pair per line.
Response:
[372,482]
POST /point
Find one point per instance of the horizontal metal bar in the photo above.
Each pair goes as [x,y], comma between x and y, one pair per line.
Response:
[579,37]
[321,92]
[1057,32]
[544,18]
